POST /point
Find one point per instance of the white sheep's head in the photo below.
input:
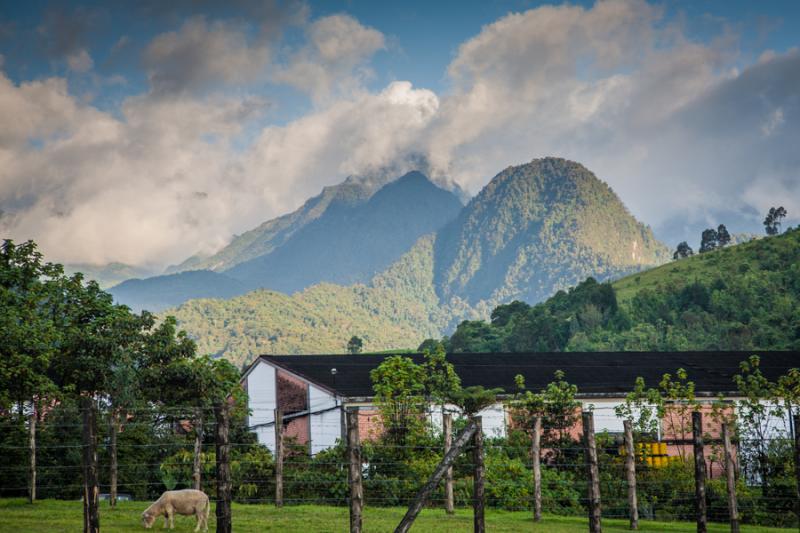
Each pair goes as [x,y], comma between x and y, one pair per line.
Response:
[148,520]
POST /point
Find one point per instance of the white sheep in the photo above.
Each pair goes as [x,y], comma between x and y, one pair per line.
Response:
[186,502]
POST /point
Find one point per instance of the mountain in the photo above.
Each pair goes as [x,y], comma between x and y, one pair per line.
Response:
[160,292]
[533,230]
[350,244]
[346,235]
[108,275]
[537,228]
[744,297]
[396,309]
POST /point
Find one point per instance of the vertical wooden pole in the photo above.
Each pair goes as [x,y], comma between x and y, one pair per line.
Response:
[699,472]
[197,462]
[796,420]
[32,449]
[91,491]
[113,467]
[478,475]
[593,470]
[278,458]
[422,496]
[630,474]
[447,423]
[223,449]
[730,477]
[354,477]
[536,457]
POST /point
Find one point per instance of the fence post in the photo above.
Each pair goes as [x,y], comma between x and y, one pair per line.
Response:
[113,466]
[197,463]
[730,476]
[797,460]
[422,496]
[223,449]
[536,451]
[447,423]
[279,458]
[354,477]
[590,448]
[630,474]
[699,472]
[91,492]
[32,450]
[478,474]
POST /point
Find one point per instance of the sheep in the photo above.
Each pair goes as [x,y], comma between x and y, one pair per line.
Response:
[186,502]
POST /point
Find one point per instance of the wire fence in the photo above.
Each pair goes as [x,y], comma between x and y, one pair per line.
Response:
[155,451]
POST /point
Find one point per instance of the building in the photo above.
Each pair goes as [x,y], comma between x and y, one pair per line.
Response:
[312,390]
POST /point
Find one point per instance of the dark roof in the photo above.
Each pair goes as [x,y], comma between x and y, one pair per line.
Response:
[593,372]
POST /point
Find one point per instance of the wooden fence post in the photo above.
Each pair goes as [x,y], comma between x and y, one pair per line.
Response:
[730,476]
[197,460]
[436,477]
[279,458]
[32,450]
[478,475]
[699,472]
[536,458]
[447,423]
[354,477]
[593,470]
[630,474]
[91,491]
[797,460]
[223,449]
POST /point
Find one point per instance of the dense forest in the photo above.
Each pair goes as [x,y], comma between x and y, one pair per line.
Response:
[734,298]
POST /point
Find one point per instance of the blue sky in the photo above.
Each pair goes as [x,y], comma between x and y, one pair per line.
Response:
[144,132]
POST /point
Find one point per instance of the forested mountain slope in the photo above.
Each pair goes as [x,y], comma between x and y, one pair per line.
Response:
[743,297]
[537,228]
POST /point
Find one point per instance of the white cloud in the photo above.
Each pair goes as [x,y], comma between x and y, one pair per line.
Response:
[80,61]
[333,62]
[202,54]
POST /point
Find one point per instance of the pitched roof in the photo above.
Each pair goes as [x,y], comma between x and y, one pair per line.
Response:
[611,373]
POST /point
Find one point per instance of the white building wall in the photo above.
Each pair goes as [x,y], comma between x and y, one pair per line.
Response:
[261,391]
[325,426]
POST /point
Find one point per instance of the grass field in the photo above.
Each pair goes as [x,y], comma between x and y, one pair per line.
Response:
[18,516]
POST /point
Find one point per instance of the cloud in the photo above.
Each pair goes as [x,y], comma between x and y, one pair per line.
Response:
[80,61]
[333,62]
[202,55]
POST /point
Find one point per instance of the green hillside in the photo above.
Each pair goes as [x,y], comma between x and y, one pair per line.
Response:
[744,297]
[397,309]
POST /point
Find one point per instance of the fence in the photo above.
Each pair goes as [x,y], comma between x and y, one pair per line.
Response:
[755,481]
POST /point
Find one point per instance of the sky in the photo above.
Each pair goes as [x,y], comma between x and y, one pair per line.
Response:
[145,132]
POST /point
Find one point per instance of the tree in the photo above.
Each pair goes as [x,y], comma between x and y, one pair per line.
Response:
[723,237]
[772,221]
[683,250]
[708,240]
[28,336]
[355,345]
[399,386]
[644,408]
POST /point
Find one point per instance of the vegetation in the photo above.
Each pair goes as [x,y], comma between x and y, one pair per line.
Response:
[52,515]
[745,297]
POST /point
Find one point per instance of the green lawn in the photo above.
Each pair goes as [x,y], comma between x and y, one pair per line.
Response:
[17,516]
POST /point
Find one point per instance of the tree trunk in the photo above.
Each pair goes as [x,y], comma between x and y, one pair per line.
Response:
[197,467]
[630,474]
[536,462]
[223,449]
[114,430]
[91,491]
[447,423]
[32,446]
[796,419]
[699,472]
